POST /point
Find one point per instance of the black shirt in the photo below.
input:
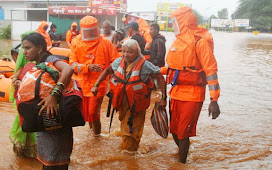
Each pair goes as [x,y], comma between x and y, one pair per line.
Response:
[140,40]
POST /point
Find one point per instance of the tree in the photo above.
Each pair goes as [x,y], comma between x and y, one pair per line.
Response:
[198,16]
[223,13]
[259,13]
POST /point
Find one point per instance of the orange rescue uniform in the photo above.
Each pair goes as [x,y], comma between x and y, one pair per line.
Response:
[71,34]
[191,65]
[45,34]
[144,29]
[84,51]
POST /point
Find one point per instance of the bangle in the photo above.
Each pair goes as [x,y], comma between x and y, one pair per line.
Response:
[60,84]
[164,97]
[15,79]
[96,85]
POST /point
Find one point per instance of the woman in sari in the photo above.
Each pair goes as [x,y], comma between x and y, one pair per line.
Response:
[24,144]
[53,147]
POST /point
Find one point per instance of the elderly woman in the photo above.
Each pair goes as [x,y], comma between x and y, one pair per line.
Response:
[131,86]
[53,147]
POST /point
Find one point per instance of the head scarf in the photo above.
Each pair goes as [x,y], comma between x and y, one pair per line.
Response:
[187,34]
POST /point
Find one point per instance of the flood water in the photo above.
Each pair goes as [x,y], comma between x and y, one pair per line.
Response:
[241,138]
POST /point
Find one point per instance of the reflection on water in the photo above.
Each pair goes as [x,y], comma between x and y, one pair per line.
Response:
[240,138]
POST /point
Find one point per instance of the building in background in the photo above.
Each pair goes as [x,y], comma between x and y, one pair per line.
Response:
[164,11]
[26,14]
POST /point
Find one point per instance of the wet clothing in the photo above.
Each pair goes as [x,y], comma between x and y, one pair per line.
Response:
[24,144]
[45,34]
[91,48]
[54,37]
[83,53]
[130,141]
[192,54]
[184,116]
[191,65]
[158,50]
[92,107]
[54,147]
[141,42]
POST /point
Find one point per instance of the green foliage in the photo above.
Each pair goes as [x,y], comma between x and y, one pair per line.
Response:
[199,17]
[170,29]
[6,33]
[223,13]
[259,13]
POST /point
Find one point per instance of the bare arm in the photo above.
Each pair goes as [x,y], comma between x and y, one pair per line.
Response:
[162,84]
[50,102]
[15,80]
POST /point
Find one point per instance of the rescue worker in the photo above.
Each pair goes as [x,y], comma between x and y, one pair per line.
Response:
[131,87]
[90,55]
[108,32]
[144,32]
[42,30]
[71,34]
[191,66]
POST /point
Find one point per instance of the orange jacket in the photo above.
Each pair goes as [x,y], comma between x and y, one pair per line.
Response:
[26,91]
[192,54]
[45,34]
[83,53]
[144,29]
[138,93]
[71,34]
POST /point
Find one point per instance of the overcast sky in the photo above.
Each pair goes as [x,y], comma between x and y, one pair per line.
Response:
[205,7]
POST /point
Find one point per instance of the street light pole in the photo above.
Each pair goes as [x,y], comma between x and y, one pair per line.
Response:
[47,5]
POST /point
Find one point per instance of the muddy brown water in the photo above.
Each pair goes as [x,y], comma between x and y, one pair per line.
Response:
[241,138]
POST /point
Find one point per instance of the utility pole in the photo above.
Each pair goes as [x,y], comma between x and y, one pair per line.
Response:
[47,5]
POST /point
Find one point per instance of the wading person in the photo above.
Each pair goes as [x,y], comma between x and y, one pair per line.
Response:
[71,34]
[90,55]
[42,29]
[131,86]
[191,66]
[53,147]
[24,144]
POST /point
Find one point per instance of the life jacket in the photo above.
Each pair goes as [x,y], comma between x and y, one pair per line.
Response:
[189,67]
[191,72]
[138,92]
[26,91]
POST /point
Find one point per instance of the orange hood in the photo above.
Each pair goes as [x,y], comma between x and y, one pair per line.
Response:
[182,51]
[73,24]
[41,26]
[143,26]
[186,27]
